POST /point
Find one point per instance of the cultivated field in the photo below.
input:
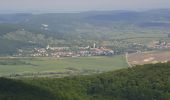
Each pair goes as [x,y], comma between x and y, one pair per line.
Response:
[148,57]
[58,67]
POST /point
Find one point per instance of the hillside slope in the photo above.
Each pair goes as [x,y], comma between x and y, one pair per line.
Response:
[147,82]
[80,29]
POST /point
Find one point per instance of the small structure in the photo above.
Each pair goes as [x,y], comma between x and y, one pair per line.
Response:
[94,45]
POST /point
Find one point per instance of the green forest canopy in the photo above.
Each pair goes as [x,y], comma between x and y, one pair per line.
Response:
[145,82]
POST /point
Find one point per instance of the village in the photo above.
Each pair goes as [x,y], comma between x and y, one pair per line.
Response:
[50,51]
[92,50]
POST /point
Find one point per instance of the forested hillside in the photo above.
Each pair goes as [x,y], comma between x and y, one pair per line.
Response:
[147,82]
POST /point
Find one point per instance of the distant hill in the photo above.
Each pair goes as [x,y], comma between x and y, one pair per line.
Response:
[146,82]
[83,28]
[14,18]
[58,21]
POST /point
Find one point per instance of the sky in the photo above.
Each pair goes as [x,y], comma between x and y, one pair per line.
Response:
[81,5]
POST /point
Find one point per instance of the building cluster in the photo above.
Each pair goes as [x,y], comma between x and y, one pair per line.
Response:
[159,44]
[68,52]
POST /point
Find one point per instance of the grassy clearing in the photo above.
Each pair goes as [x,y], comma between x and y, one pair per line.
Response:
[45,65]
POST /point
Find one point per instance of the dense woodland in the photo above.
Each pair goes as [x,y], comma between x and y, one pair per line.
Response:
[144,82]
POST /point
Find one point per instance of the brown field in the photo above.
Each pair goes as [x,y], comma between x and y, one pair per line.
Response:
[149,57]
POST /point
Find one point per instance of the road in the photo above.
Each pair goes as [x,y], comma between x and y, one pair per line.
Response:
[127,60]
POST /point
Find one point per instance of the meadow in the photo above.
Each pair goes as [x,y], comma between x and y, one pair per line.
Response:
[46,66]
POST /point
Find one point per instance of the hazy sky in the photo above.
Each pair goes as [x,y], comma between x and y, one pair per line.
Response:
[81,5]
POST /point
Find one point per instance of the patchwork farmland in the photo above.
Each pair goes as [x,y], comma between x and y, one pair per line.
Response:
[148,57]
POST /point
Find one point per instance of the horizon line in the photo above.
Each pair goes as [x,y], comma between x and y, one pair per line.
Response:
[71,11]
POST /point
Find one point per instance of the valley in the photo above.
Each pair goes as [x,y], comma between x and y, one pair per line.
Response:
[84,49]
[85,43]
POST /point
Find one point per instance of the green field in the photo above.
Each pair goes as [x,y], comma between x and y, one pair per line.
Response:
[60,66]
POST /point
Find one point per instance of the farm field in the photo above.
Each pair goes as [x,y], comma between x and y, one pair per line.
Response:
[149,57]
[59,67]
